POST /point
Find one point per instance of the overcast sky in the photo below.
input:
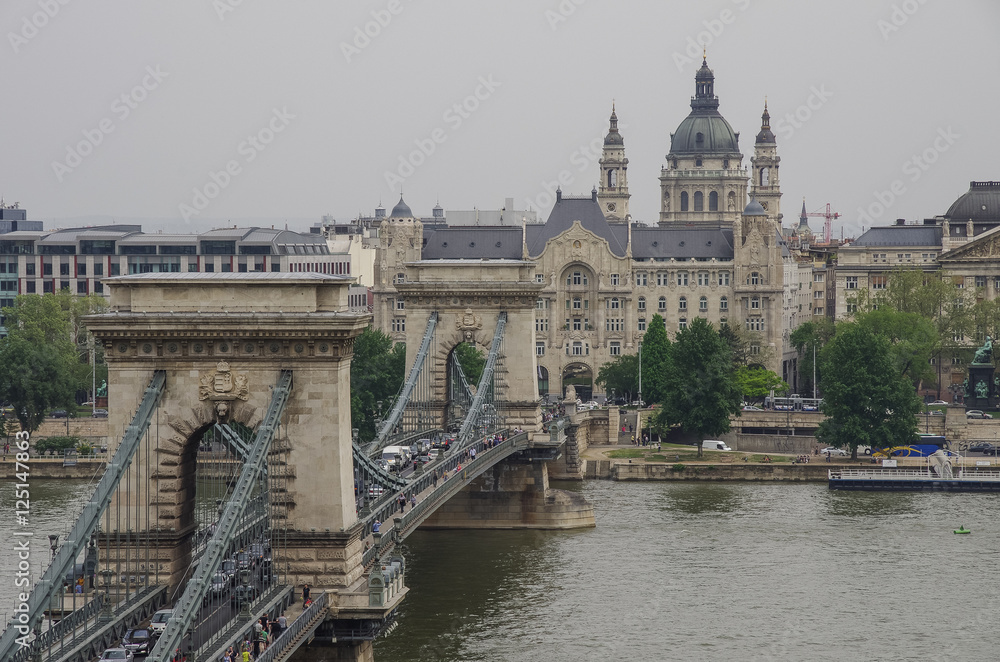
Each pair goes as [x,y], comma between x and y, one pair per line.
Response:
[136,110]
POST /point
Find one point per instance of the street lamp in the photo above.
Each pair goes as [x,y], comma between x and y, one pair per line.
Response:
[640,374]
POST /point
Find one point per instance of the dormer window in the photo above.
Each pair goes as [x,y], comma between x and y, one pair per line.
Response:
[699,138]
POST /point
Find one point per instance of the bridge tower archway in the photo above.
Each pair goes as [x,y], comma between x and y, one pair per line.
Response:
[222,341]
[468,299]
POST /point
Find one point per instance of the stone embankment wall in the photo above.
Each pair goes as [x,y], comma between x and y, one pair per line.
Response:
[755,472]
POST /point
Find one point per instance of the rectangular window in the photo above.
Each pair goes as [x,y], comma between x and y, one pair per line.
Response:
[47,287]
[662,279]
[577,324]
[577,303]
[614,324]
[541,325]
[703,278]
[29,269]
[542,304]
[817,311]
[818,294]
[98,268]
[851,283]
[641,279]
[399,324]
[540,278]
[852,307]
[755,324]
[63,285]
[64,269]
[81,270]
[539,349]
[226,267]
[81,287]
[724,278]
[682,278]
[615,348]
[642,323]
[818,278]
[980,281]
[614,280]
[243,267]
[98,287]
[682,324]
[209,267]
[400,304]
[47,269]
[578,349]
[878,282]
[29,287]
[956,360]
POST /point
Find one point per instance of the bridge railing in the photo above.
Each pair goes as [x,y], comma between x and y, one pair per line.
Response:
[486,457]
[291,635]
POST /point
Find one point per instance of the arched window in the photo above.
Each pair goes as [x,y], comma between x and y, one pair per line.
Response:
[642,303]
[713,201]
[765,176]
[699,138]
[699,201]
[612,178]
[661,304]
[703,304]
[683,303]
[724,303]
[399,278]
[682,324]
[753,279]
[613,303]
[684,200]
[577,303]
[754,303]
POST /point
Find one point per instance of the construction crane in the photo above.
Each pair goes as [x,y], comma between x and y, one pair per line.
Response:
[827,225]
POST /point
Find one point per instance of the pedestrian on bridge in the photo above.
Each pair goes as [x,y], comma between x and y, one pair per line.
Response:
[305,590]
[413,501]
[435,478]
[401,500]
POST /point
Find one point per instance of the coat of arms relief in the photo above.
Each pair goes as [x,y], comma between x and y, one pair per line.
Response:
[222,386]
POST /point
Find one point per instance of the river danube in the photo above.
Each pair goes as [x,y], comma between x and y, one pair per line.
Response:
[685,571]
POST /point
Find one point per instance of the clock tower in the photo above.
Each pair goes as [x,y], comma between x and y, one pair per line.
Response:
[613,192]
[765,187]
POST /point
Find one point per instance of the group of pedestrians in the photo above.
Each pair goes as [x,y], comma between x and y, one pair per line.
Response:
[264,632]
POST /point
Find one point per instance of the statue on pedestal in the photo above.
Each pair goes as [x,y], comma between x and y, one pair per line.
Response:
[984,355]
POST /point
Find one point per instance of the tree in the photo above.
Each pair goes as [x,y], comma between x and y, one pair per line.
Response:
[620,376]
[808,339]
[912,341]
[473,361]
[39,365]
[699,386]
[758,382]
[748,347]
[655,352]
[866,399]
[377,373]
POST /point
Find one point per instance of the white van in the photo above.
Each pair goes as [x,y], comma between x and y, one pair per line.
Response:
[715,445]
[395,457]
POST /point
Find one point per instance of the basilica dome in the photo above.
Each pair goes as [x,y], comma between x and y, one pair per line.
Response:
[704,131]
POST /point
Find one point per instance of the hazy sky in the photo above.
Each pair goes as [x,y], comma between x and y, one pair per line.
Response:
[267,111]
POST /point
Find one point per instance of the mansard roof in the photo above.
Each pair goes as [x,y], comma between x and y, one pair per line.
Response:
[489,241]
[568,210]
[900,235]
[682,242]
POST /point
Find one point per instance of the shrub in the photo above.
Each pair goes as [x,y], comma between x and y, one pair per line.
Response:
[56,444]
[678,467]
[85,449]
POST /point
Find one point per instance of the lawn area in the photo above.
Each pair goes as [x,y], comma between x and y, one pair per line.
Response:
[681,453]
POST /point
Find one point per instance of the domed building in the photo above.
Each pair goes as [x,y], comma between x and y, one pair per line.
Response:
[703,180]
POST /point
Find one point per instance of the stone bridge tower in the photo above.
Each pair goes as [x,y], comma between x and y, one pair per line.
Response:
[222,340]
[468,297]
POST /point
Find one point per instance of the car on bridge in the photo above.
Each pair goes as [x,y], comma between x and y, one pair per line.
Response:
[376,491]
[219,585]
[244,561]
[159,621]
[139,641]
[228,568]
[116,655]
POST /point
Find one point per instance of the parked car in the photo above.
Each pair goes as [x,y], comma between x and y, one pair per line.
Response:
[937,412]
[990,449]
[937,402]
[100,413]
[159,621]
[117,654]
[139,641]
[830,450]
[751,408]
[976,413]
[59,413]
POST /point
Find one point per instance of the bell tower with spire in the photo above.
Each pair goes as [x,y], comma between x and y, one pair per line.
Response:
[765,186]
[613,191]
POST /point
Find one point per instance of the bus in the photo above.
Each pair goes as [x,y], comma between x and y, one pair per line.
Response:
[923,446]
[793,402]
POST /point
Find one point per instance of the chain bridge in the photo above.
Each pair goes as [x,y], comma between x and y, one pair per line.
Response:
[234,481]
